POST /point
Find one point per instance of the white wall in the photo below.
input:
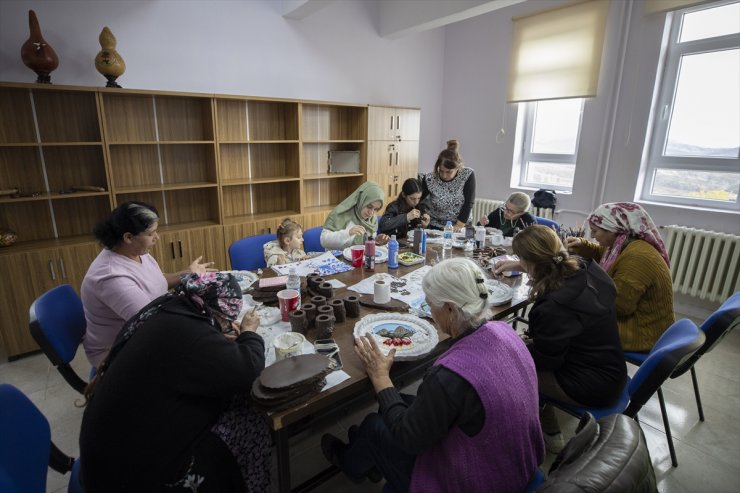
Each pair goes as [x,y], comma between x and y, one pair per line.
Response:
[237,47]
[477,53]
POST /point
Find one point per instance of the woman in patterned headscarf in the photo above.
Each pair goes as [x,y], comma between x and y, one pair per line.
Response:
[167,410]
[630,249]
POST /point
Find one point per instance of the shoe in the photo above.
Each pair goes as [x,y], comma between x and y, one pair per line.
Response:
[332,447]
[373,474]
[554,442]
[352,432]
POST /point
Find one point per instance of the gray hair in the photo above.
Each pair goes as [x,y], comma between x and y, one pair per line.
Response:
[520,200]
[459,282]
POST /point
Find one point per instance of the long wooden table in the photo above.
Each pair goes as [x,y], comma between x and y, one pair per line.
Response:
[287,423]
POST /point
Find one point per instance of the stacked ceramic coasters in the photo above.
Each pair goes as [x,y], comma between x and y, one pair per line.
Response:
[291,381]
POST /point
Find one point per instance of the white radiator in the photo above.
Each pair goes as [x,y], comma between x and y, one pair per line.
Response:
[483,207]
[704,264]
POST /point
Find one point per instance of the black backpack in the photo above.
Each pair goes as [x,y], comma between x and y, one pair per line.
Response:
[545,199]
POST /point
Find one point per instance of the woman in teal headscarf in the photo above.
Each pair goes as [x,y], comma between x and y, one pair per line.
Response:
[354,217]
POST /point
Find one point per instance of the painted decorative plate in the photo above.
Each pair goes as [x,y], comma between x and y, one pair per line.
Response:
[245,278]
[381,254]
[411,336]
[499,293]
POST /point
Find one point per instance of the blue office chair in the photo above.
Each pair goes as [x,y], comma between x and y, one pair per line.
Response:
[547,222]
[26,450]
[677,344]
[57,324]
[312,240]
[247,253]
[716,327]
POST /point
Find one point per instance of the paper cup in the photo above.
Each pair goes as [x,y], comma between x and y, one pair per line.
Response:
[358,255]
[288,344]
[288,300]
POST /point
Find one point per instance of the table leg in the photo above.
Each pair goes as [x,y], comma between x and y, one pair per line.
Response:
[282,446]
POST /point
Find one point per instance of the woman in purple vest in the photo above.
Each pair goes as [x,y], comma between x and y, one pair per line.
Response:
[473,425]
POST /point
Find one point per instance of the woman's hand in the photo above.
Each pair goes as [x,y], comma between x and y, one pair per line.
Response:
[425,219]
[201,267]
[573,242]
[356,230]
[506,266]
[376,365]
[250,322]
[382,239]
[458,226]
[483,221]
[413,214]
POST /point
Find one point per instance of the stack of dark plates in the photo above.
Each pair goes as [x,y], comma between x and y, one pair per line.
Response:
[291,381]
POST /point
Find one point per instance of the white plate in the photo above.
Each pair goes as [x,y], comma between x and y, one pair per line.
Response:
[268,315]
[423,339]
[381,254]
[245,278]
[499,293]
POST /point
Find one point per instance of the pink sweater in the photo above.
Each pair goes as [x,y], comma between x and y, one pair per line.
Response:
[114,289]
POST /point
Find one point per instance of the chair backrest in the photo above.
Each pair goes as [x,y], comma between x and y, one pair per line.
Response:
[247,253]
[677,344]
[312,240]
[715,327]
[25,443]
[57,324]
[547,222]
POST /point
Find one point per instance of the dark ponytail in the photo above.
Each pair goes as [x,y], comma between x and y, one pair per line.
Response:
[129,217]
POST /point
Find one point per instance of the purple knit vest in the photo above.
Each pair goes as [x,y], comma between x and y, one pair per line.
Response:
[504,455]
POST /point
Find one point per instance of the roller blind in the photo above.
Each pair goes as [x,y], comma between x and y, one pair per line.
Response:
[653,6]
[557,53]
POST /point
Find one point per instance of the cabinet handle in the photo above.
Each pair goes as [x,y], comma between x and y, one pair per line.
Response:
[396,188]
[62,269]
[53,272]
[390,190]
[179,242]
[397,118]
[172,246]
[391,122]
[390,159]
[396,158]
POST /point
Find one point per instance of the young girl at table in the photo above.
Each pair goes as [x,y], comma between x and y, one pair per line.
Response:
[353,217]
[288,247]
[406,212]
[573,325]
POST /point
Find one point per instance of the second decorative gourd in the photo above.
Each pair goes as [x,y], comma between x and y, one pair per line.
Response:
[108,61]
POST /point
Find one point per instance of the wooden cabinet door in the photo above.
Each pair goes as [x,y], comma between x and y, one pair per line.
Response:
[74,262]
[381,157]
[409,125]
[45,270]
[381,123]
[208,242]
[16,297]
[408,153]
[171,252]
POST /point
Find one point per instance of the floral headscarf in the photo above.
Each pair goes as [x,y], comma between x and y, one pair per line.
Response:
[626,219]
[211,293]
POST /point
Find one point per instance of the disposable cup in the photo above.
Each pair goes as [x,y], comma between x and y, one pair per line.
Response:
[288,300]
[288,344]
[358,254]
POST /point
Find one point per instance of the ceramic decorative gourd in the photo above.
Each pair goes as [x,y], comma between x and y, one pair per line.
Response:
[108,61]
[36,52]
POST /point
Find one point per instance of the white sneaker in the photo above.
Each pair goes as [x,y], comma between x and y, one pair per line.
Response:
[554,442]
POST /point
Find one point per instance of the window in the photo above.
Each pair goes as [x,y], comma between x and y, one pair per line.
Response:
[547,140]
[692,155]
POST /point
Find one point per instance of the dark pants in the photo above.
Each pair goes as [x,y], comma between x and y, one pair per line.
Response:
[373,446]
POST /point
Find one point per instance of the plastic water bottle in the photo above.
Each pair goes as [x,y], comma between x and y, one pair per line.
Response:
[294,282]
[393,253]
[448,236]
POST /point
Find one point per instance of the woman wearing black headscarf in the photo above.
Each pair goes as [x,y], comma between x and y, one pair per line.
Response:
[167,410]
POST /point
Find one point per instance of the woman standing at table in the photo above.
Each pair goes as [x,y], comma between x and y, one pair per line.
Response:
[124,277]
[450,189]
[168,409]
[473,425]
[573,326]
[353,217]
[632,252]
[406,212]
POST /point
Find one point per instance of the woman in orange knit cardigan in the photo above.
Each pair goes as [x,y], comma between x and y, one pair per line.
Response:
[632,252]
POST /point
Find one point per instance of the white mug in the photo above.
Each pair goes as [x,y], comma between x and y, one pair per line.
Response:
[382,292]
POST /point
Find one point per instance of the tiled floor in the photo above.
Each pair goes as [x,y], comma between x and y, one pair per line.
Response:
[708,452]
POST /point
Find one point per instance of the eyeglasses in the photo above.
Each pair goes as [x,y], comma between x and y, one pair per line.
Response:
[510,211]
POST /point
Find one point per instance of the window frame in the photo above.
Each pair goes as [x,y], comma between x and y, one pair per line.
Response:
[525,155]
[661,113]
